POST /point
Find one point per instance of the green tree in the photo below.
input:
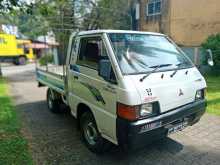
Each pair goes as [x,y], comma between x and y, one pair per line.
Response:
[58,17]
[7,5]
[105,14]
[28,25]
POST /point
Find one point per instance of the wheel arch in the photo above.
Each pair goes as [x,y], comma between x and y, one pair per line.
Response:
[81,109]
[23,55]
[54,93]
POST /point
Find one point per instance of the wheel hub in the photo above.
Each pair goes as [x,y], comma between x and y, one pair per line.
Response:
[91,134]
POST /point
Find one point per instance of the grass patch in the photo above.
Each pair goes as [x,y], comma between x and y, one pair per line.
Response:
[13,147]
[213,94]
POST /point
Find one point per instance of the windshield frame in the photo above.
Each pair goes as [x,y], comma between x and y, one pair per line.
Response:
[158,71]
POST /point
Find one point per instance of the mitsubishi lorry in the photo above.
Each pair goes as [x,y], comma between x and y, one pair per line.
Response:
[128,88]
[15,50]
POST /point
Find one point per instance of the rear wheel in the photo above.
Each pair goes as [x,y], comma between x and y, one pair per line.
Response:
[22,60]
[90,134]
[53,104]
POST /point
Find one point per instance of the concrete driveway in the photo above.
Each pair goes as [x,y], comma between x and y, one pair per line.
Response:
[54,139]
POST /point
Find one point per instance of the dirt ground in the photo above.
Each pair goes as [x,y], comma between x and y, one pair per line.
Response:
[54,139]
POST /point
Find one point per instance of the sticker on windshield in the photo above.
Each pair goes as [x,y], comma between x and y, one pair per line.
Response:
[135,38]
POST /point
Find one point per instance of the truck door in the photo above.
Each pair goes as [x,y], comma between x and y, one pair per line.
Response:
[89,88]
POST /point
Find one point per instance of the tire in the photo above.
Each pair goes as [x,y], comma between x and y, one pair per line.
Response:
[52,104]
[15,61]
[22,60]
[91,136]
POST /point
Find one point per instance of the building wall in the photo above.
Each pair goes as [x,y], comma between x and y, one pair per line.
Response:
[159,23]
[192,21]
[188,22]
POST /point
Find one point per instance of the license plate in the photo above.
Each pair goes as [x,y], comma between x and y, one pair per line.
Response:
[177,127]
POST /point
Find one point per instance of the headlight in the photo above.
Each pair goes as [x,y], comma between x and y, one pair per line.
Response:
[146,110]
[200,94]
[133,113]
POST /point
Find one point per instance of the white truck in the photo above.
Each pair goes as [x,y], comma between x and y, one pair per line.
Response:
[125,87]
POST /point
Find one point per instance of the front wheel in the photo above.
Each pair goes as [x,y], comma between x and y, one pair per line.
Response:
[90,134]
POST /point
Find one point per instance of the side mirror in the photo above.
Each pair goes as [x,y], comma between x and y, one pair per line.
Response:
[104,69]
[210,57]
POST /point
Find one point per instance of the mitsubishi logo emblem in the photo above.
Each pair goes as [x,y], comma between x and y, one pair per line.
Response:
[181,92]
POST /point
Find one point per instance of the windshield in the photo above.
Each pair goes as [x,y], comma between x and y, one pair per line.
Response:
[137,53]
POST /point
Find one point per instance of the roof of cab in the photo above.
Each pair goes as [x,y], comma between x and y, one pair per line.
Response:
[90,32]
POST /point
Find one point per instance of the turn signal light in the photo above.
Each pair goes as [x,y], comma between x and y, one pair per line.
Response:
[127,112]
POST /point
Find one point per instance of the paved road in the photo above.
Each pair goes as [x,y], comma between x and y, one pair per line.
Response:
[54,139]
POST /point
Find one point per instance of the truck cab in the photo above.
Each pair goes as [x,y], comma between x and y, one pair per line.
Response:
[25,46]
[15,50]
[127,87]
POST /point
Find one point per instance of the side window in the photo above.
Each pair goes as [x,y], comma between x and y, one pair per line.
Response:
[92,49]
[74,50]
[26,50]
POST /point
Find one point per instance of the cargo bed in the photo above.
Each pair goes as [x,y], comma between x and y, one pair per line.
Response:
[51,76]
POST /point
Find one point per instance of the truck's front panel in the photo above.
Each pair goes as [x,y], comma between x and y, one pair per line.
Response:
[170,91]
[136,134]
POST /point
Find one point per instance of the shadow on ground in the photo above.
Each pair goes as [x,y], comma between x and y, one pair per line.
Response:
[55,139]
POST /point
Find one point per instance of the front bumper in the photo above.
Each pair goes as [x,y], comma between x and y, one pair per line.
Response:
[142,132]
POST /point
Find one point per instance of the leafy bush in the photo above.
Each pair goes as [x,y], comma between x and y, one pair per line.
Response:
[213,43]
[47,58]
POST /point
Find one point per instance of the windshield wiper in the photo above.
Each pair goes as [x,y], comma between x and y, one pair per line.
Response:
[156,67]
[178,66]
[181,63]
